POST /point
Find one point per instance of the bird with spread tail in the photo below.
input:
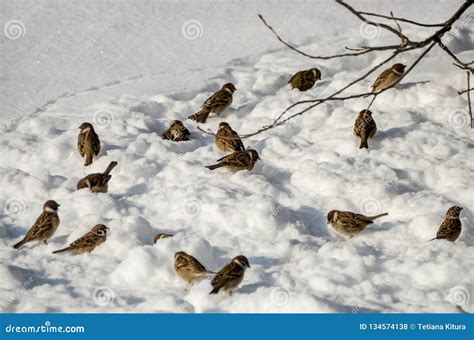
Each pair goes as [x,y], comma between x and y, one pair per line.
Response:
[231,276]
[237,161]
[97,182]
[451,227]
[88,143]
[88,242]
[349,223]
[305,80]
[189,268]
[45,225]
[227,139]
[177,132]
[217,103]
[388,77]
[364,128]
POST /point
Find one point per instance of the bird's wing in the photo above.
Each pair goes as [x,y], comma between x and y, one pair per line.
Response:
[229,272]
[220,98]
[43,223]
[88,240]
[382,77]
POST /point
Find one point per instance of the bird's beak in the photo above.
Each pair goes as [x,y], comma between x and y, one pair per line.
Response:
[59,205]
[249,265]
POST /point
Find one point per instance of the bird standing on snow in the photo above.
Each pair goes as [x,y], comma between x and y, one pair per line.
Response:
[88,242]
[176,132]
[45,225]
[305,80]
[217,103]
[349,223]
[97,182]
[88,143]
[237,161]
[388,77]
[188,268]
[451,227]
[227,139]
[230,277]
[365,128]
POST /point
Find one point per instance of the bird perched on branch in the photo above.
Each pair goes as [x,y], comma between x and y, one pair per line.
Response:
[217,103]
[161,236]
[45,225]
[237,161]
[305,80]
[88,242]
[451,227]
[189,268]
[365,128]
[349,223]
[388,77]
[227,139]
[177,132]
[230,277]
[97,182]
[88,143]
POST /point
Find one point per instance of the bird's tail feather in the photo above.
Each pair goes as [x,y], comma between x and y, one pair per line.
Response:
[20,244]
[215,166]
[61,250]
[88,160]
[201,115]
[377,216]
[112,165]
[215,290]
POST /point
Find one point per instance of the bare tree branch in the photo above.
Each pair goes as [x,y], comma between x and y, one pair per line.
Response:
[400,19]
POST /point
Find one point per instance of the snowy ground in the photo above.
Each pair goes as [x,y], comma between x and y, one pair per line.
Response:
[419,164]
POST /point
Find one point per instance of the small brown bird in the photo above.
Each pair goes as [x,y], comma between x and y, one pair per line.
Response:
[45,225]
[365,128]
[451,227]
[305,80]
[388,77]
[97,182]
[237,161]
[188,268]
[88,143]
[229,277]
[349,223]
[88,242]
[176,132]
[227,139]
[161,236]
[217,103]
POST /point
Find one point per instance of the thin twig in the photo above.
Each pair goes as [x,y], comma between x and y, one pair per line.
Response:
[209,132]
[400,19]
[469,97]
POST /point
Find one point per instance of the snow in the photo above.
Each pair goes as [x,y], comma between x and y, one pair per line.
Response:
[419,164]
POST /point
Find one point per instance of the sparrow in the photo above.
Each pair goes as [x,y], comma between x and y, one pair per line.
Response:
[97,182]
[88,142]
[388,77]
[45,225]
[88,242]
[450,229]
[176,132]
[227,139]
[229,277]
[217,103]
[188,268]
[365,128]
[237,161]
[305,80]
[161,236]
[349,223]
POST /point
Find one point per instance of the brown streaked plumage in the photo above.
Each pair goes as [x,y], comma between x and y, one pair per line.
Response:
[217,103]
[161,236]
[451,227]
[365,128]
[227,139]
[237,161]
[45,225]
[97,182]
[177,132]
[88,242]
[388,77]
[305,80]
[189,268]
[349,223]
[230,277]
[88,143]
